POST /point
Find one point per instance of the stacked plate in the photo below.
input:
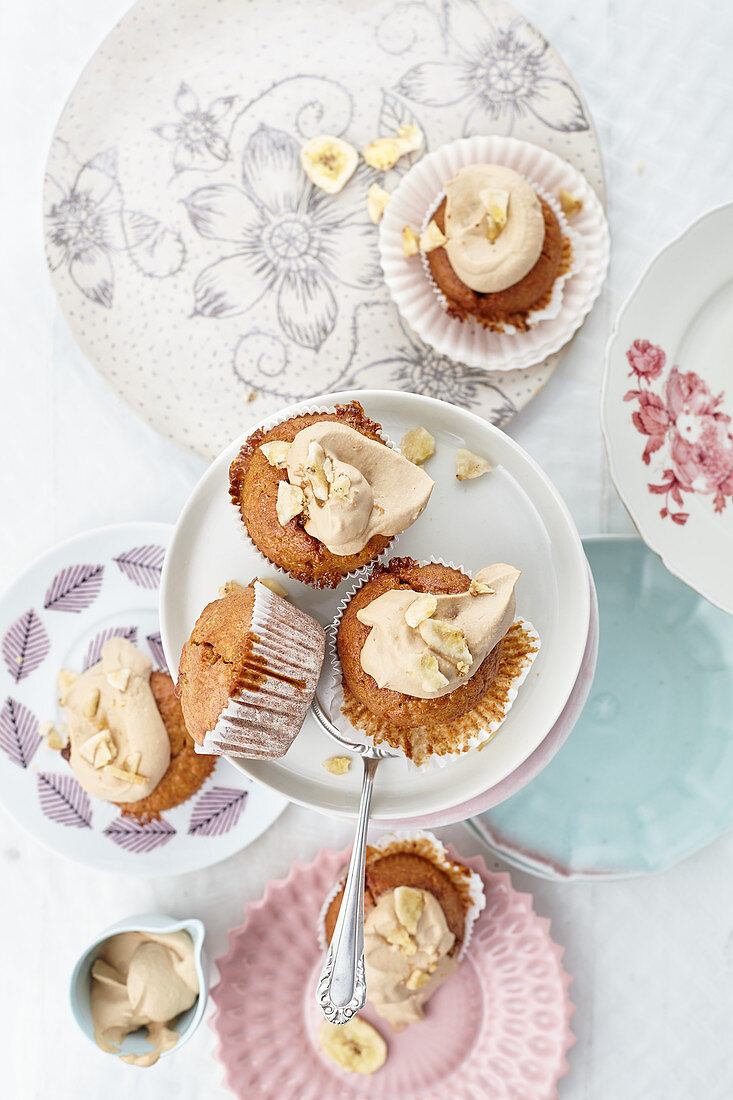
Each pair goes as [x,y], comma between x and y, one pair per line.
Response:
[513,514]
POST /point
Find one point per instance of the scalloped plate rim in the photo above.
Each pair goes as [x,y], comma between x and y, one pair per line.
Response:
[639,523]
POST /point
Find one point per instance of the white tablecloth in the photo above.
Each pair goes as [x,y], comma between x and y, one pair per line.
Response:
[652,960]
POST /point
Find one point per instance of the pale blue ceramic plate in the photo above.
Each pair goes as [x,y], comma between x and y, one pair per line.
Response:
[646,777]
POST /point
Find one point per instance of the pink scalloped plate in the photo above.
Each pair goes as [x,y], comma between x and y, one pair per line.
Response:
[499,1028]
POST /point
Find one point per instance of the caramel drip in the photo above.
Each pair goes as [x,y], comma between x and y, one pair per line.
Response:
[255,671]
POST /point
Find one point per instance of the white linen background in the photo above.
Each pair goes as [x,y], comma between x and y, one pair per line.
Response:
[652,959]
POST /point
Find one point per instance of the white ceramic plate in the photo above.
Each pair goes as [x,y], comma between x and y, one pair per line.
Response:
[55,616]
[415,294]
[194,262]
[667,404]
[513,514]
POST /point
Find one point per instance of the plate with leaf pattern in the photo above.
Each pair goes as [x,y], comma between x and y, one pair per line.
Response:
[206,279]
[58,614]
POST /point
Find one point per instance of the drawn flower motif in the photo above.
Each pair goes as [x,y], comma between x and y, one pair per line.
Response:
[503,74]
[646,360]
[87,225]
[701,447]
[418,368]
[686,419]
[688,394]
[651,419]
[293,241]
[201,142]
[84,223]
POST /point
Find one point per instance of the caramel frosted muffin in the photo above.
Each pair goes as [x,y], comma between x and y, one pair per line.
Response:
[504,247]
[128,742]
[420,645]
[419,907]
[248,673]
[321,494]
[187,771]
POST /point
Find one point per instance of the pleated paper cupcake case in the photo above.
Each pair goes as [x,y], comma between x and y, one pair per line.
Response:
[335,698]
[548,312]
[470,885]
[272,422]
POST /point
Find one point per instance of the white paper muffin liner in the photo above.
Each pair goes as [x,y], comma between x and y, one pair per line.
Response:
[554,306]
[414,294]
[266,425]
[264,722]
[471,883]
[334,691]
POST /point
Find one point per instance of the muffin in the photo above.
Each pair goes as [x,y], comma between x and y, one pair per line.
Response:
[128,743]
[420,645]
[248,673]
[187,771]
[322,494]
[419,909]
[504,247]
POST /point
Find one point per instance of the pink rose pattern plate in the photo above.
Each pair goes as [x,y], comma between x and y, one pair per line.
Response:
[58,615]
[499,1028]
[666,406]
[685,423]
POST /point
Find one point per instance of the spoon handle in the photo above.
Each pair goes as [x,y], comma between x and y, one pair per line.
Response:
[341,989]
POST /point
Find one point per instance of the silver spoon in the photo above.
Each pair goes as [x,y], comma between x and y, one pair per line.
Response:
[341,990]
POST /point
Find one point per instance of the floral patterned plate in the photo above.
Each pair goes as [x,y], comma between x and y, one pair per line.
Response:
[498,1029]
[195,264]
[667,404]
[58,614]
[647,777]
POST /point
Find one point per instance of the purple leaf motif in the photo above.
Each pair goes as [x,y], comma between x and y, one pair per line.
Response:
[19,736]
[94,652]
[136,837]
[217,811]
[64,801]
[25,645]
[142,565]
[74,588]
[155,645]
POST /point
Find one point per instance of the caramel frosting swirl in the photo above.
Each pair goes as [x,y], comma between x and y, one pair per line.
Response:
[114,723]
[394,651]
[356,488]
[403,974]
[488,266]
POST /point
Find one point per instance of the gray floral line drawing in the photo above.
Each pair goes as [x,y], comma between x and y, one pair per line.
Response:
[262,362]
[394,113]
[292,241]
[503,75]
[87,225]
[200,140]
